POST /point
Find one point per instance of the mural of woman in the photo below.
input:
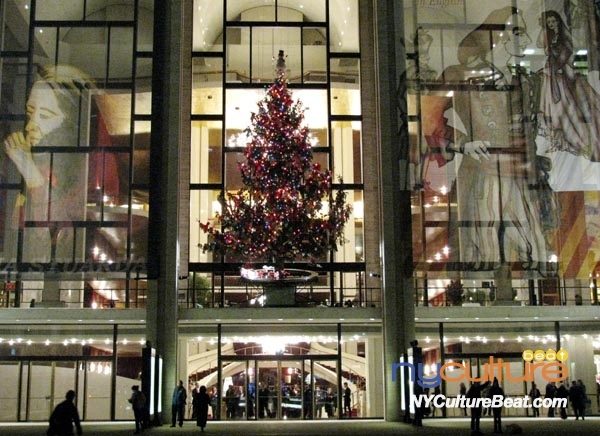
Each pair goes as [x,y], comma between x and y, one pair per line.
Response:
[55,181]
[568,104]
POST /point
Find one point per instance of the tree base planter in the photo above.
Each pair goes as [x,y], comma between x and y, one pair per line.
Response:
[278,292]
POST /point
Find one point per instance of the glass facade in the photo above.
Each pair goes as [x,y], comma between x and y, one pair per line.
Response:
[496,146]
[74,169]
[504,177]
[231,68]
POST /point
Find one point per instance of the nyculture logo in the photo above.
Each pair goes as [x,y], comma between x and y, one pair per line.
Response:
[549,364]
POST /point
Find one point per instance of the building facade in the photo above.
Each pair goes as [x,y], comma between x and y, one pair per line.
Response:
[464,137]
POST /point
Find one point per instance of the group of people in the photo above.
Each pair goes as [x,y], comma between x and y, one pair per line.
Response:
[576,395]
[65,415]
[201,401]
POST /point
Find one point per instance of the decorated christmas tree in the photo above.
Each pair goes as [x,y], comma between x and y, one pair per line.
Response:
[286,208]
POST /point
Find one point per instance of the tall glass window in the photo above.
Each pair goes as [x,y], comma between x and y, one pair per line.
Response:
[235,48]
[504,150]
[75,155]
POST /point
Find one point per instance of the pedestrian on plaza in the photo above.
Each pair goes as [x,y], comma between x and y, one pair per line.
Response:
[436,391]
[178,404]
[195,393]
[64,416]
[535,393]
[203,401]
[577,399]
[473,395]
[485,393]
[463,393]
[562,392]
[138,404]
[497,410]
[551,394]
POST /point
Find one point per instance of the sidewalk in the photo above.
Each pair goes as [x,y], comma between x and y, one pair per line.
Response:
[431,427]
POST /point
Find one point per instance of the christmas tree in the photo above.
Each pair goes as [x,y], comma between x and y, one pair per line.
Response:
[286,209]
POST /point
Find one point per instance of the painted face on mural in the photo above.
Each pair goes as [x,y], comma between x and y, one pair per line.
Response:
[552,23]
[515,37]
[43,113]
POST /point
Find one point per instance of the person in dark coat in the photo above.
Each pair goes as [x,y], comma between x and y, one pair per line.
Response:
[473,394]
[496,411]
[178,404]
[64,416]
[138,405]
[195,393]
[347,401]
[463,393]
[535,393]
[263,401]
[551,393]
[577,399]
[562,392]
[203,400]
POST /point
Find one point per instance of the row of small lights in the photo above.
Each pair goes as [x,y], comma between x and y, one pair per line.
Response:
[99,368]
[66,342]
[290,340]
[299,339]
[542,339]
[446,252]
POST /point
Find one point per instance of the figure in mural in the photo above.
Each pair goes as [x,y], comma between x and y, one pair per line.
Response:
[504,202]
[421,69]
[55,183]
[568,103]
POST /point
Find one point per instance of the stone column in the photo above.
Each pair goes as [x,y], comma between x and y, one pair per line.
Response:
[171,79]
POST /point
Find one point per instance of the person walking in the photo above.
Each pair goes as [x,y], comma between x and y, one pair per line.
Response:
[64,416]
[138,404]
[178,404]
[202,402]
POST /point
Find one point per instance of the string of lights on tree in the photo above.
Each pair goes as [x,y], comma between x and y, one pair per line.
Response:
[286,208]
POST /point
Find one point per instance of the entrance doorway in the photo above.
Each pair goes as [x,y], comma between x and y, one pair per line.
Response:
[279,387]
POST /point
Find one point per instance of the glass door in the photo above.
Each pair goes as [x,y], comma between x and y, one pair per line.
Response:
[292,389]
[325,388]
[268,389]
[234,388]
[279,387]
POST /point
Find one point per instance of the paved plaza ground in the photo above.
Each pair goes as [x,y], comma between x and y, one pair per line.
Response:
[432,427]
